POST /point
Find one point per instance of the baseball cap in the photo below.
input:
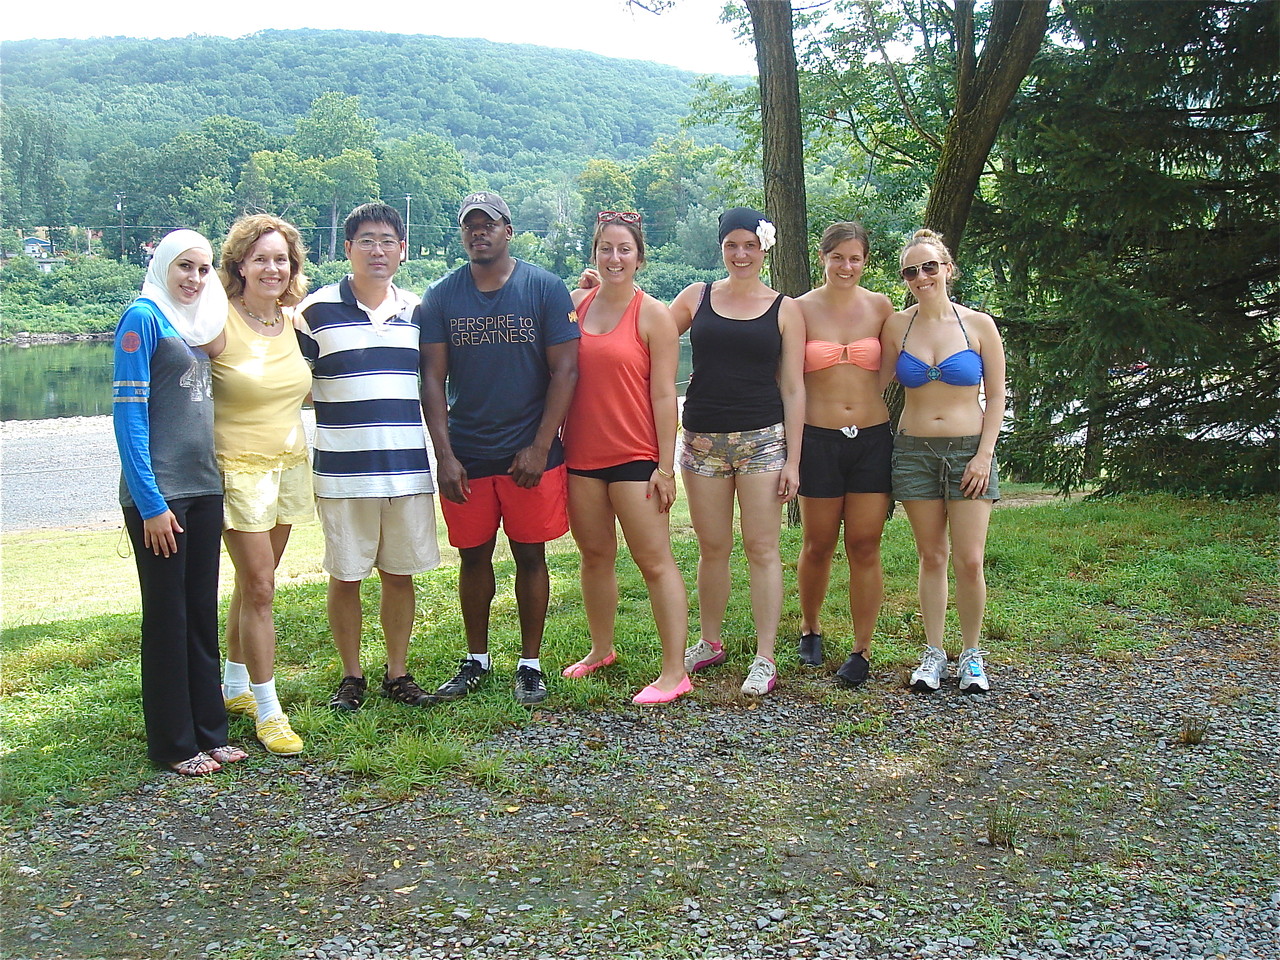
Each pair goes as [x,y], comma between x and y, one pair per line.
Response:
[490,203]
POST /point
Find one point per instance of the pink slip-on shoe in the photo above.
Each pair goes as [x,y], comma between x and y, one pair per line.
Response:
[576,671]
[651,696]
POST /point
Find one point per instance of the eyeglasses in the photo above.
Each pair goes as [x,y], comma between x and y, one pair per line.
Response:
[368,244]
[608,216]
[930,268]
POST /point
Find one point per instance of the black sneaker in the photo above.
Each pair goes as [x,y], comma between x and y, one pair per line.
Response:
[405,690]
[811,649]
[350,695]
[530,687]
[468,677]
[854,671]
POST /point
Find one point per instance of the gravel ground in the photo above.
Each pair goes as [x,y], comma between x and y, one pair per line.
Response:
[816,824]
[64,472]
[59,473]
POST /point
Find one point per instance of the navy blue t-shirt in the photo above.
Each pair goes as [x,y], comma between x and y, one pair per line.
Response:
[497,343]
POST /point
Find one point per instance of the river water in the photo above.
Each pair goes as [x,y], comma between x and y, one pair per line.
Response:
[44,380]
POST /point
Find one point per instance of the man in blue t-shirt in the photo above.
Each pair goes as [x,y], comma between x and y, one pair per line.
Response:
[504,335]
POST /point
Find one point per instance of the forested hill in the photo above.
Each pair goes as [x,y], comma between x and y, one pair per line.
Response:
[502,105]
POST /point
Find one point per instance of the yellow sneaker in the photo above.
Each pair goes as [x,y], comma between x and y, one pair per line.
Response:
[243,705]
[278,737]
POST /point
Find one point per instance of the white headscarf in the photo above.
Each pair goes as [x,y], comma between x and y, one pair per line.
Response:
[197,323]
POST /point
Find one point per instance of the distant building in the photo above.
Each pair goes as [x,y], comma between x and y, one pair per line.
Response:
[35,247]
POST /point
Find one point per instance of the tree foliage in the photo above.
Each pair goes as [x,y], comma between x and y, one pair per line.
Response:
[505,106]
[1136,233]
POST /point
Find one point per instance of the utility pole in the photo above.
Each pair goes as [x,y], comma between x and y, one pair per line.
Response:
[120,197]
[407,249]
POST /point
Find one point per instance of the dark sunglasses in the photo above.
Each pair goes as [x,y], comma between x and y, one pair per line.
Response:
[930,268]
[608,216]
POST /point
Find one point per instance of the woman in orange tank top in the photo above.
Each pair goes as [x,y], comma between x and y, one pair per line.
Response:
[844,464]
[619,443]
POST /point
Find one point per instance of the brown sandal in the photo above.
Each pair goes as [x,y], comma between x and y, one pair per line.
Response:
[226,754]
[201,765]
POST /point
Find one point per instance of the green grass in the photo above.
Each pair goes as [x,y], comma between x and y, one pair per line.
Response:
[1076,576]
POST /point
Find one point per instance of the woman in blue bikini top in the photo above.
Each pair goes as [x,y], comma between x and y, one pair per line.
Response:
[944,452]
[946,356]
[962,369]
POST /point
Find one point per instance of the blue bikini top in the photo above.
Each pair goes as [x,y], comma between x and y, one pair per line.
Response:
[961,369]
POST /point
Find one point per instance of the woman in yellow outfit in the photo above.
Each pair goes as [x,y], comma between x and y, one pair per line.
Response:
[260,381]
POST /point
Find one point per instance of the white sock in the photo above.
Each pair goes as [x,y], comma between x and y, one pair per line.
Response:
[480,658]
[235,679]
[536,663]
[264,694]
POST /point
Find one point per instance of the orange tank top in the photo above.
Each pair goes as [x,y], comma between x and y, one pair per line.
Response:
[610,420]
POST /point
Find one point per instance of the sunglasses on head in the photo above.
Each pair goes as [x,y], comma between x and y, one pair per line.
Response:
[608,216]
[930,268]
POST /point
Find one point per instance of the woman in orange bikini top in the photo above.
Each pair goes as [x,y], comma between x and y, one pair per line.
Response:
[844,462]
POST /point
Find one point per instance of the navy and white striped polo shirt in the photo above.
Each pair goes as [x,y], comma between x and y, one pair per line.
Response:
[370,437]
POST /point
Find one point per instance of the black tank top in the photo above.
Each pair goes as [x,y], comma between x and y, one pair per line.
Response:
[734,385]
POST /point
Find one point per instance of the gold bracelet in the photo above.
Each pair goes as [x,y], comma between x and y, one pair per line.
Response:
[663,473]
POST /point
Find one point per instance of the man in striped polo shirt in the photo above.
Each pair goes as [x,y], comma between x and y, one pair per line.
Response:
[372,477]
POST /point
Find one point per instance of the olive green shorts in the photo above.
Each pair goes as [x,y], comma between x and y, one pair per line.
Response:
[931,468]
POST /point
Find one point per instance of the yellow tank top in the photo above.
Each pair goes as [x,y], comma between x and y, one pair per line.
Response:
[259,383]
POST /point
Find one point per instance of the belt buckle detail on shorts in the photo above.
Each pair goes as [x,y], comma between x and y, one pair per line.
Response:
[850,432]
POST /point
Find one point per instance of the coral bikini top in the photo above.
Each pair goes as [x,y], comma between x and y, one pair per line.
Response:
[820,354]
[962,369]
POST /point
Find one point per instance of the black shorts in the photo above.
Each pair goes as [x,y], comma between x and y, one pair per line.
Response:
[832,463]
[636,470]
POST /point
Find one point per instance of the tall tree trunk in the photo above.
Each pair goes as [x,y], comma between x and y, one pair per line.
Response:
[783,160]
[985,86]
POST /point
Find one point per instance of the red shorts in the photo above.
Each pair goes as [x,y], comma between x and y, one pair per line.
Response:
[527,514]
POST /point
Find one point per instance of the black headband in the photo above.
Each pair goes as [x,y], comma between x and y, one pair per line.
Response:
[739,218]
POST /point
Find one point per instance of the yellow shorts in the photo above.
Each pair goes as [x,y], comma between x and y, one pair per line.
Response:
[395,534]
[258,500]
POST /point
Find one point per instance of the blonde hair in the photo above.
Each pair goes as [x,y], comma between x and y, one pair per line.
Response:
[924,237]
[242,236]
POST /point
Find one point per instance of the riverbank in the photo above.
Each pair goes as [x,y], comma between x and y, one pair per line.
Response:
[64,473]
[59,473]
[26,339]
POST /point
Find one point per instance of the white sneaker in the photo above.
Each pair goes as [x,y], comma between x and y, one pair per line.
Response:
[928,676]
[702,655]
[761,677]
[973,678]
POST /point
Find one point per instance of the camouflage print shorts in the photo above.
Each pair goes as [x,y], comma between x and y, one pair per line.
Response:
[727,454]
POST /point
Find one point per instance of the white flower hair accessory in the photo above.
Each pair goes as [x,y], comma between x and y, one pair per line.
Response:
[767,233]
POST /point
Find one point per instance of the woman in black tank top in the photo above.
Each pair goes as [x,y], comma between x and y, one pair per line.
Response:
[743,417]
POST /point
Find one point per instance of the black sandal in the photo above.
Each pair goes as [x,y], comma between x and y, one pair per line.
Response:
[405,690]
[350,694]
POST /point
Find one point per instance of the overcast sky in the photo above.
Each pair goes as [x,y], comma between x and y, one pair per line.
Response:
[690,36]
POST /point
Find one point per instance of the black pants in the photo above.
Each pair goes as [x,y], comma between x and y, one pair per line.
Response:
[181,693]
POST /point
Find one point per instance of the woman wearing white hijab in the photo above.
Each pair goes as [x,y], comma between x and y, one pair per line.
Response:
[171,493]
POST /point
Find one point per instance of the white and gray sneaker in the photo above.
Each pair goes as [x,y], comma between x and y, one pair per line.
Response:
[928,676]
[761,677]
[973,678]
